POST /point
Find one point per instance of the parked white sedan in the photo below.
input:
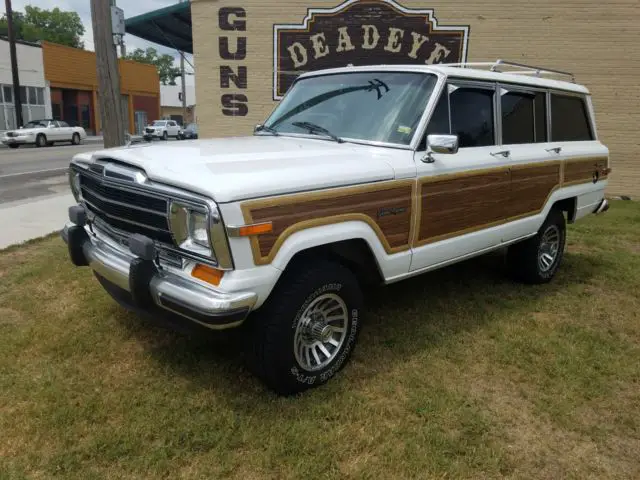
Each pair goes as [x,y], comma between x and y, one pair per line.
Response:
[44,132]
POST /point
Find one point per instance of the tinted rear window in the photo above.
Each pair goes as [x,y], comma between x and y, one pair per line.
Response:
[569,119]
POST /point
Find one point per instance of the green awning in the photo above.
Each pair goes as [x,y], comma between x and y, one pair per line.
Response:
[169,26]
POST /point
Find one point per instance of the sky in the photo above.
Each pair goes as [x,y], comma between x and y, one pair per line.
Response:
[131,9]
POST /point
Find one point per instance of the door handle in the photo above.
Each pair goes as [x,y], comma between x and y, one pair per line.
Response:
[504,153]
[554,149]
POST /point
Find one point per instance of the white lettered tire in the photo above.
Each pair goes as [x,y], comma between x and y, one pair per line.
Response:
[308,328]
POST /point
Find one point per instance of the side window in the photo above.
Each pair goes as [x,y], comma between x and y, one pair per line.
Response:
[62,124]
[472,116]
[540,113]
[569,119]
[518,124]
[439,121]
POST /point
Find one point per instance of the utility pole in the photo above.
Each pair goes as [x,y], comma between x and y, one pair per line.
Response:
[184,89]
[108,74]
[17,101]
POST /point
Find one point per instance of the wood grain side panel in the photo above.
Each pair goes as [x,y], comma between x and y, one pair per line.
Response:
[388,209]
[531,187]
[455,205]
[582,170]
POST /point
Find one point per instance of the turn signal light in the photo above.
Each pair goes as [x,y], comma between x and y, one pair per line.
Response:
[255,229]
[207,274]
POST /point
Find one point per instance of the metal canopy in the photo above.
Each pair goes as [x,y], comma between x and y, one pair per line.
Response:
[169,26]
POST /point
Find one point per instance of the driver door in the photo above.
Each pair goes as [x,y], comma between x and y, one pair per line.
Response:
[462,195]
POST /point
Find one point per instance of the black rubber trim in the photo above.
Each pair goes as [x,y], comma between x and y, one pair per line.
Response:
[232,316]
[140,274]
[76,236]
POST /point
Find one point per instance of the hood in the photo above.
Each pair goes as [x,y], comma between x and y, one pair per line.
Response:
[231,169]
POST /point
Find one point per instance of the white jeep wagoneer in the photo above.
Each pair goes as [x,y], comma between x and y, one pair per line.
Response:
[359,174]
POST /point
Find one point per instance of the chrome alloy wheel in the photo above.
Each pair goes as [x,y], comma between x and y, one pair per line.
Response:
[549,248]
[321,332]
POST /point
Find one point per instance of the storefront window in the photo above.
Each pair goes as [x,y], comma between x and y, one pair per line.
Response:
[8,93]
[23,95]
[40,95]
[371,106]
[32,96]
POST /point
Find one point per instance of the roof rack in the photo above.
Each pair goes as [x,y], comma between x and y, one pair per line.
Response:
[527,69]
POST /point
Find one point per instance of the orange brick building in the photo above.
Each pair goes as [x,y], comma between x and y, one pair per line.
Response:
[72,77]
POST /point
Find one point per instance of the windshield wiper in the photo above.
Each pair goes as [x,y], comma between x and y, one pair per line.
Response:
[266,128]
[315,128]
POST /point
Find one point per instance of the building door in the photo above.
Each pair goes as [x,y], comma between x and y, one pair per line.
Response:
[140,121]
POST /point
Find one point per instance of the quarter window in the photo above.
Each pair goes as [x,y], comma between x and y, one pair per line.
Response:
[569,119]
[472,116]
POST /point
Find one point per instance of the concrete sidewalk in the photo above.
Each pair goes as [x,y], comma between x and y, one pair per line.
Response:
[25,220]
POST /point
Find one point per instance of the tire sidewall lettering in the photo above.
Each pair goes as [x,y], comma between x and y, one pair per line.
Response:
[311,378]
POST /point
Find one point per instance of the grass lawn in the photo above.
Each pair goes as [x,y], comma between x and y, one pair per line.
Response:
[458,374]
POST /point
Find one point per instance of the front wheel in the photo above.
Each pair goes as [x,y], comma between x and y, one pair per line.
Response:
[165,135]
[307,330]
[537,259]
[75,139]
[41,141]
[14,145]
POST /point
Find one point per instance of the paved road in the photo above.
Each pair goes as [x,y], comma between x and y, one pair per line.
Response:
[27,173]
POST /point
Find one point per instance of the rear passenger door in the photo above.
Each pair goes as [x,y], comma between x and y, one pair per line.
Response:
[535,166]
[461,196]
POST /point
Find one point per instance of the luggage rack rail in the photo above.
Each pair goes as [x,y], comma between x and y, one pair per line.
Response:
[526,69]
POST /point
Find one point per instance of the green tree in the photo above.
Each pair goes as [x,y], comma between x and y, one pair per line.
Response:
[164,63]
[55,26]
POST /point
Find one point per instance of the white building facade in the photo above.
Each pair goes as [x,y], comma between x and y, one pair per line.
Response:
[34,91]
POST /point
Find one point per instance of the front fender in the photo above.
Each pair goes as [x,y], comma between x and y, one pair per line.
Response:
[388,265]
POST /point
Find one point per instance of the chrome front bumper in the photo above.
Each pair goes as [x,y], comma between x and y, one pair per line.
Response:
[170,292]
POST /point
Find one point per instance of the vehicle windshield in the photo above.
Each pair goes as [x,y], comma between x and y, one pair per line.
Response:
[371,106]
[36,124]
[159,123]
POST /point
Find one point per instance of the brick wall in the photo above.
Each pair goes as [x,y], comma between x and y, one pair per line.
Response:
[598,41]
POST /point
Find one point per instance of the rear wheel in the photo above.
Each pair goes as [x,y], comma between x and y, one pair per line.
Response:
[307,330]
[537,259]
[41,140]
[75,139]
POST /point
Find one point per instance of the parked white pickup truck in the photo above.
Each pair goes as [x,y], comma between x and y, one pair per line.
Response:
[44,132]
[360,174]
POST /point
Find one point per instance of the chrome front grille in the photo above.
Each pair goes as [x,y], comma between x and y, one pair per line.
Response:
[126,210]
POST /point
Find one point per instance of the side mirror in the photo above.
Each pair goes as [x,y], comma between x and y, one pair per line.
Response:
[445,144]
[257,128]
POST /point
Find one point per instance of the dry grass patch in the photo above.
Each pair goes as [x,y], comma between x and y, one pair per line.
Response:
[458,374]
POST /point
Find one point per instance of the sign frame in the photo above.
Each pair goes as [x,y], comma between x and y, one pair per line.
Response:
[311,12]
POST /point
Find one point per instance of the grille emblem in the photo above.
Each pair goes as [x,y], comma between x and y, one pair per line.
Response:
[111,170]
